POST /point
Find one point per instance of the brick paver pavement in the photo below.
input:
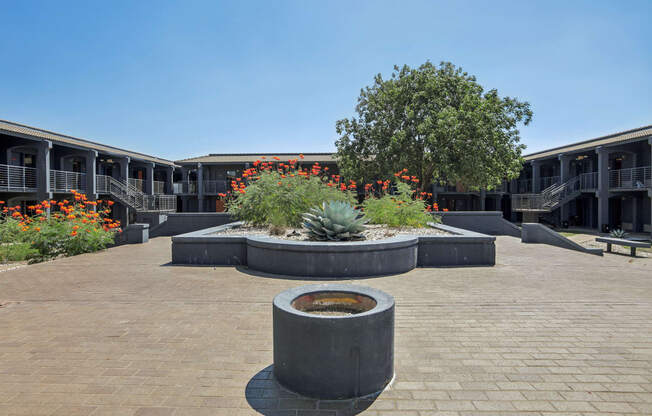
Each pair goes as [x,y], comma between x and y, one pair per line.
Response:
[544,332]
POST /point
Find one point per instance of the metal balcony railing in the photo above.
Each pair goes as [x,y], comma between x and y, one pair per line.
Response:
[548,181]
[527,202]
[65,181]
[137,183]
[632,178]
[102,184]
[588,181]
[17,178]
[159,187]
[188,187]
[214,186]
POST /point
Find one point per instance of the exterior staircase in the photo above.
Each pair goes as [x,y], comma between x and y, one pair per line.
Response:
[550,198]
[132,197]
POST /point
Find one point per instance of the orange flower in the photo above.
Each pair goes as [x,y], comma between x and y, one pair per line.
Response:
[74,233]
[39,211]
[76,227]
[110,203]
[445,209]
[71,217]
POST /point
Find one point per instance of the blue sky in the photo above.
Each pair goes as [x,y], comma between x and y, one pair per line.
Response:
[180,79]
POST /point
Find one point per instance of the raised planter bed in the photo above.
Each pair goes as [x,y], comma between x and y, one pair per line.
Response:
[337,259]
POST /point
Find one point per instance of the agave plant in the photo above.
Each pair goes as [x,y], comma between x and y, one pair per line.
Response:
[334,221]
[618,233]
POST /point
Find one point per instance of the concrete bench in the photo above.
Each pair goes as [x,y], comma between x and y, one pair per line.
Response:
[622,242]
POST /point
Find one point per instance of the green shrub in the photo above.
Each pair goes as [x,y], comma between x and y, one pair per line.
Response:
[73,227]
[280,199]
[16,252]
[398,209]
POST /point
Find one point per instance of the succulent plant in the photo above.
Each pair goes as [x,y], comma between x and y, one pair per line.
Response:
[334,221]
[618,233]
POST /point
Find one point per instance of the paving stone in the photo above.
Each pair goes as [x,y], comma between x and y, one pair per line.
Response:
[544,332]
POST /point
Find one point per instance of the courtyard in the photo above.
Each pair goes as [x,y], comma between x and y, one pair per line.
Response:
[123,332]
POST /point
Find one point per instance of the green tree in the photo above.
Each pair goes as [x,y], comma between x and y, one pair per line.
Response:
[437,122]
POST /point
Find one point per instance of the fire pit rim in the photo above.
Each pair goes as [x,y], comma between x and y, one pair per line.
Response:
[285,299]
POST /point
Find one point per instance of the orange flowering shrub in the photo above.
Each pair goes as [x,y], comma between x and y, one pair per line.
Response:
[278,193]
[72,227]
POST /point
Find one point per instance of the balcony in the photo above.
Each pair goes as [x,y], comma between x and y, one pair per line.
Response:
[17,178]
[548,181]
[631,179]
[138,184]
[65,181]
[214,186]
[588,181]
[159,187]
[188,187]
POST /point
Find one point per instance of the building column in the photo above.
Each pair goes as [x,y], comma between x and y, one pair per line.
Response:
[169,180]
[200,187]
[43,170]
[634,213]
[91,178]
[149,179]
[124,169]
[564,162]
[649,191]
[603,187]
[483,199]
[536,178]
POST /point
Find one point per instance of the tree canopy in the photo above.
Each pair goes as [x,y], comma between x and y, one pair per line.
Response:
[437,122]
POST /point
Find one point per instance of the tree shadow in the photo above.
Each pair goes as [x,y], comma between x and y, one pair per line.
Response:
[266,396]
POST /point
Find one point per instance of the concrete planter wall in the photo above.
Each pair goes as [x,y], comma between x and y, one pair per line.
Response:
[321,259]
[334,260]
[334,357]
[485,222]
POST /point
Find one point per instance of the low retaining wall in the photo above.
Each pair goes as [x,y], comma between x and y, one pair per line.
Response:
[540,234]
[133,234]
[465,248]
[485,222]
[345,259]
[186,222]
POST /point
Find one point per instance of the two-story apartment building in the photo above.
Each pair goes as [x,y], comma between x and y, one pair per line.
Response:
[601,183]
[37,164]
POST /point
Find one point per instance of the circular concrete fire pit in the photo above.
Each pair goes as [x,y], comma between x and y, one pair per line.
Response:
[333,341]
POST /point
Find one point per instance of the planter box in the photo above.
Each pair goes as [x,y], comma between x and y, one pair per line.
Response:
[334,260]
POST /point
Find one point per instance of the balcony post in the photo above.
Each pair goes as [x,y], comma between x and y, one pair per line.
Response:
[91,178]
[200,187]
[169,180]
[536,178]
[43,170]
[149,179]
[124,168]
[483,199]
[603,187]
[563,177]
[649,190]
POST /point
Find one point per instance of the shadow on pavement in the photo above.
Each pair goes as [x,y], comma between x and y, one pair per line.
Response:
[269,398]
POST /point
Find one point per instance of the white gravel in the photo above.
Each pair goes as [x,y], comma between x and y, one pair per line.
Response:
[373,232]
